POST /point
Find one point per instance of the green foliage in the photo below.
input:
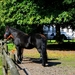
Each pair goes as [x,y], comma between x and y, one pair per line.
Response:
[63,16]
[69,1]
[26,13]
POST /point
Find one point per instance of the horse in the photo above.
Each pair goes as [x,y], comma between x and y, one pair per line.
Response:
[23,40]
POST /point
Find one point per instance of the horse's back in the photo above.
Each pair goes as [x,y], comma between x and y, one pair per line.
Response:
[37,39]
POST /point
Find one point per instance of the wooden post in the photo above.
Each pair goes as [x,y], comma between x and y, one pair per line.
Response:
[12,67]
[4,72]
[6,65]
[0,46]
[7,62]
[3,58]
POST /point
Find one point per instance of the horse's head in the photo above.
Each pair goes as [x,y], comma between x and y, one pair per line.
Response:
[7,33]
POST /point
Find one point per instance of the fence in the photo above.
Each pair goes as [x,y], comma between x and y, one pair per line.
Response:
[9,67]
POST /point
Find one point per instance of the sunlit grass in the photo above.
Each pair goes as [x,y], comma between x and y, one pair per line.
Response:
[65,57]
[51,42]
[32,53]
[11,46]
[69,40]
[61,54]
[55,42]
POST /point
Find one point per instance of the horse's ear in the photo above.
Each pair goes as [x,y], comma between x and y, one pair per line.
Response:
[7,27]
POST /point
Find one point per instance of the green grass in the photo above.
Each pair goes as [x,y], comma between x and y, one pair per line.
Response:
[66,58]
[55,42]
[68,40]
[65,40]
[51,42]
[11,46]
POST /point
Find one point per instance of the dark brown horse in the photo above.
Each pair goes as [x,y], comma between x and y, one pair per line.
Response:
[23,40]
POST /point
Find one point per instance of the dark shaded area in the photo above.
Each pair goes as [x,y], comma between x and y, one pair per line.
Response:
[38,61]
[63,46]
[53,63]
[49,63]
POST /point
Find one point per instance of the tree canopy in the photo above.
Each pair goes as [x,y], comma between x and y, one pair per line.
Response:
[29,14]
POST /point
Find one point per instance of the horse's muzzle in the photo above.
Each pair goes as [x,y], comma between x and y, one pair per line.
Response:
[4,36]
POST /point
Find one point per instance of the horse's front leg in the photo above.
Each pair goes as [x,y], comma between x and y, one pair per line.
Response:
[21,54]
[19,59]
[43,54]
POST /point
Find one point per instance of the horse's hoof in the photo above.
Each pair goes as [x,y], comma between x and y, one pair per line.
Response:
[43,65]
[19,62]
[40,59]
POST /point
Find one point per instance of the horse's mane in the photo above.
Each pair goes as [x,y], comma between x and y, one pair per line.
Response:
[17,30]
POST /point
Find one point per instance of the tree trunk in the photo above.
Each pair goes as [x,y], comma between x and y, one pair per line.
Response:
[58,38]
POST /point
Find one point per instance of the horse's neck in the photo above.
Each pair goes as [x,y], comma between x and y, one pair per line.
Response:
[14,33]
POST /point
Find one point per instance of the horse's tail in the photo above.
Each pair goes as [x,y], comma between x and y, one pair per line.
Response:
[44,52]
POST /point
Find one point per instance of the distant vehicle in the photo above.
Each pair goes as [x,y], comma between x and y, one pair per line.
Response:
[66,33]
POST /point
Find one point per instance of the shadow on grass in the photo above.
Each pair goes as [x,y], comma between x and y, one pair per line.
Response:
[64,46]
[53,62]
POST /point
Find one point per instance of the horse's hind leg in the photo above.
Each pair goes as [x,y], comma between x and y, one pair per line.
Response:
[41,47]
[44,52]
[43,55]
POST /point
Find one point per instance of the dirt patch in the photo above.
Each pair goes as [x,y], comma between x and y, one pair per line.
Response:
[54,65]
[37,69]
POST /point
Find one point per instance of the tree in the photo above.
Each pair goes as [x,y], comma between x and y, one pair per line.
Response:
[28,15]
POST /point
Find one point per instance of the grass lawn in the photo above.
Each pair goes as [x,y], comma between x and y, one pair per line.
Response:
[11,46]
[51,42]
[54,41]
[67,58]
